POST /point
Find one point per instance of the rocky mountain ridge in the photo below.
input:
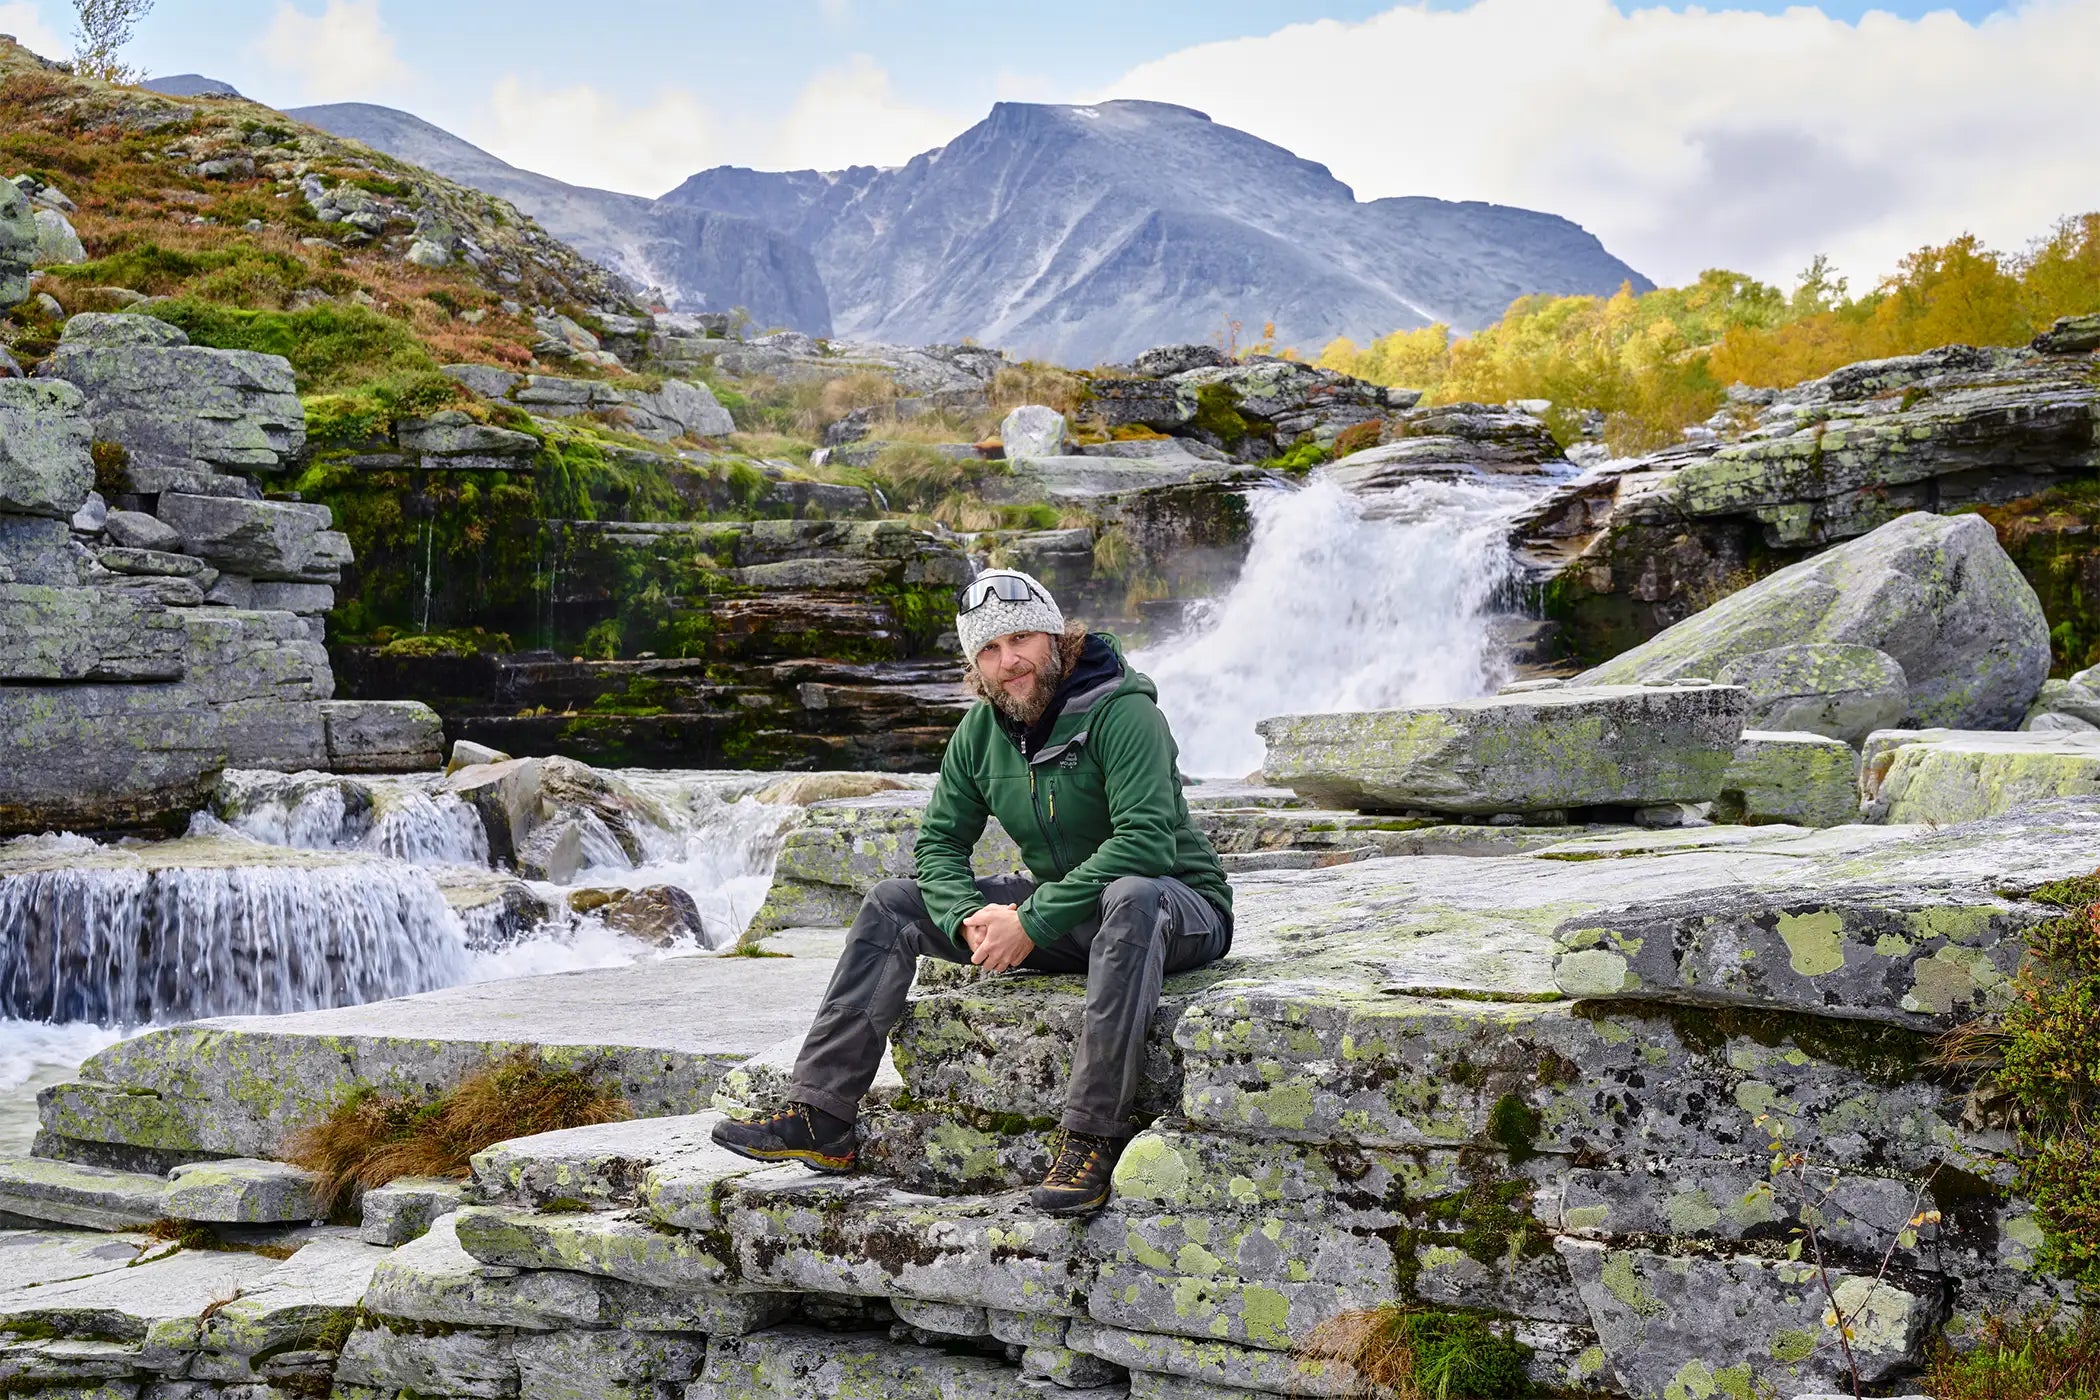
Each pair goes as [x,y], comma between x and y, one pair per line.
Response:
[1073,234]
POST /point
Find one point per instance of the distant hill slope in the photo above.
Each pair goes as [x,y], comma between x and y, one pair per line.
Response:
[702,259]
[1085,233]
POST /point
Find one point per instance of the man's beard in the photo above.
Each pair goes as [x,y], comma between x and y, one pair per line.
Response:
[1029,708]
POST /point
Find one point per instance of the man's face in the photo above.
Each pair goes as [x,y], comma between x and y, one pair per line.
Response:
[1021,669]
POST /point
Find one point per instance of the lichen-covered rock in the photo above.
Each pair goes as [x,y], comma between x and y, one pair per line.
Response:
[57,244]
[1032,431]
[283,540]
[1672,1326]
[18,240]
[1845,692]
[181,412]
[806,1363]
[844,847]
[1964,776]
[1801,778]
[1553,749]
[1935,593]
[44,464]
[85,634]
[404,1208]
[242,1191]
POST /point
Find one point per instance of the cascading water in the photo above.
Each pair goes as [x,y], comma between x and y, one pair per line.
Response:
[121,944]
[1343,604]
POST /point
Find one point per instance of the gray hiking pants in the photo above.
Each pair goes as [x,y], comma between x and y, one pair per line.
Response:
[1145,929]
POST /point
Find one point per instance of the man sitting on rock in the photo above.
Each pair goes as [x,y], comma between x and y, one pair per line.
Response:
[1069,752]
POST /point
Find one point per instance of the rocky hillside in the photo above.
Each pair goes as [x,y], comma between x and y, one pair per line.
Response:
[1072,234]
[695,259]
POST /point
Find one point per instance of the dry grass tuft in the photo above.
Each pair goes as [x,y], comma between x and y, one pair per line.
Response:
[1031,381]
[374,1138]
[1399,1353]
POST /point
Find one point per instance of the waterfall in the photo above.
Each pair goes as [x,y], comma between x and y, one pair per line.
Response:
[121,943]
[1343,604]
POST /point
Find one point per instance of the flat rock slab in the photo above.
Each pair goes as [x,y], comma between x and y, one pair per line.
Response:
[124,1304]
[90,1198]
[30,1258]
[1621,745]
[665,1031]
[242,1191]
[1951,776]
[603,1163]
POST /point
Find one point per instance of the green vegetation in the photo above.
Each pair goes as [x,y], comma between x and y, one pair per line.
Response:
[2045,1056]
[2050,536]
[1409,1353]
[372,1138]
[332,346]
[2023,1356]
[1658,362]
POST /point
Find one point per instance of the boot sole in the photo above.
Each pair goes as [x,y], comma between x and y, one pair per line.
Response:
[1077,1207]
[815,1161]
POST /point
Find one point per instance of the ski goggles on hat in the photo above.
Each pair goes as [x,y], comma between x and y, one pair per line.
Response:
[1007,588]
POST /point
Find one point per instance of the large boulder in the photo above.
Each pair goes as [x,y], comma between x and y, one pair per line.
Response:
[1844,692]
[18,236]
[1935,593]
[181,412]
[1592,746]
[44,464]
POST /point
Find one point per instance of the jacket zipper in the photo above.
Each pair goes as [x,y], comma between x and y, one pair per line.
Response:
[1046,825]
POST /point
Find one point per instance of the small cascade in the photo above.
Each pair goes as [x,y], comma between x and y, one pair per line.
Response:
[119,943]
[717,847]
[393,817]
[1343,604]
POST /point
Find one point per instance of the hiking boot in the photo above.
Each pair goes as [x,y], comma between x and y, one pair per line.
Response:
[797,1133]
[1077,1183]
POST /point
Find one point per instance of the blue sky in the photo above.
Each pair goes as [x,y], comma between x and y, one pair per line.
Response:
[1748,133]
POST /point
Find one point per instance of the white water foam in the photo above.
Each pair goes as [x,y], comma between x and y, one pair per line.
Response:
[1341,607]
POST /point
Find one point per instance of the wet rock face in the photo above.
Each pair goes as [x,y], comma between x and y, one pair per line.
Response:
[1547,750]
[1935,594]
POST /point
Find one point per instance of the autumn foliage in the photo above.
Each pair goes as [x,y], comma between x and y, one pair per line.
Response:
[1657,362]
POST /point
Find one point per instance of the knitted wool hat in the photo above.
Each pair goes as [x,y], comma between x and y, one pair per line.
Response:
[995,617]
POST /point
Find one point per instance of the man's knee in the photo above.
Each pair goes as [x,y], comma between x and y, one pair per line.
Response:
[896,895]
[1131,904]
[896,905]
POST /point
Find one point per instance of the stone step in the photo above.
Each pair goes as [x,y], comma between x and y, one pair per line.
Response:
[233,1192]
[126,1305]
[433,1280]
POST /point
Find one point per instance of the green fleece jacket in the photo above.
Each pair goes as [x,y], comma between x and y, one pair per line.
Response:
[1101,799]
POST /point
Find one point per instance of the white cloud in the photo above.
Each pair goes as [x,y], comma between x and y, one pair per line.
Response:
[19,18]
[585,136]
[850,115]
[1686,139]
[345,53]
